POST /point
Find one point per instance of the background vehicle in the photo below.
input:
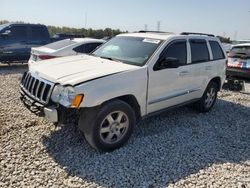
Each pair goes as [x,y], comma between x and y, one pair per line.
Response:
[130,77]
[64,47]
[235,42]
[16,40]
[61,36]
[238,65]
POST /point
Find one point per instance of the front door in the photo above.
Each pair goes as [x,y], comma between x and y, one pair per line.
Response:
[169,85]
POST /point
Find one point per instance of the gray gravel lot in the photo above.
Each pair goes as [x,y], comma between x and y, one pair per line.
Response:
[179,148]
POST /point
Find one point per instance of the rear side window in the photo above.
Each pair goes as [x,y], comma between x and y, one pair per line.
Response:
[18,33]
[177,50]
[216,50]
[86,48]
[38,33]
[199,51]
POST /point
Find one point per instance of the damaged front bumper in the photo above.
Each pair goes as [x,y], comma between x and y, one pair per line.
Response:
[50,113]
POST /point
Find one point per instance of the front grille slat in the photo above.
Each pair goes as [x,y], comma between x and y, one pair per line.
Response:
[27,81]
[43,89]
[30,84]
[32,87]
[39,82]
[36,88]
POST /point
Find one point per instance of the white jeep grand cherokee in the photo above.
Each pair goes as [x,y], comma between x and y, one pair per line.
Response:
[128,78]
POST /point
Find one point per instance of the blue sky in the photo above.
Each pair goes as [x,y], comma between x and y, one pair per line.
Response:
[221,17]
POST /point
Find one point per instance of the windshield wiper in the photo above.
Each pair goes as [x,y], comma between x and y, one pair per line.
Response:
[110,58]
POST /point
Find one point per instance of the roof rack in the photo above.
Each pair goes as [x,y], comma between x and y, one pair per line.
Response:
[142,31]
[190,33]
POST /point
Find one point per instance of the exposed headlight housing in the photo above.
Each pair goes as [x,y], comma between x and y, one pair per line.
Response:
[66,96]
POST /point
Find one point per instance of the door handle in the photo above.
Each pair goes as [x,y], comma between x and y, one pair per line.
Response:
[183,73]
[208,68]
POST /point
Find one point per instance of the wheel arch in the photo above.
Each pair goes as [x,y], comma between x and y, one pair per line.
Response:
[217,80]
[130,100]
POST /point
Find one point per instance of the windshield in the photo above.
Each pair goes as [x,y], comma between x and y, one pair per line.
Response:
[130,50]
[60,44]
[241,50]
[2,26]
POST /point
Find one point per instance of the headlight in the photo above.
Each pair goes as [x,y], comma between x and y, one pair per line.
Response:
[66,96]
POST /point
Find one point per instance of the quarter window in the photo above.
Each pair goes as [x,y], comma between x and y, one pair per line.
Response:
[177,50]
[216,50]
[199,51]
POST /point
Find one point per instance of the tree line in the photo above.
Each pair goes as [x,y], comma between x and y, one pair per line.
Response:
[94,33]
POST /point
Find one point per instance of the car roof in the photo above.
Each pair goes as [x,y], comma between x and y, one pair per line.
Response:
[243,44]
[166,35]
[160,36]
[21,24]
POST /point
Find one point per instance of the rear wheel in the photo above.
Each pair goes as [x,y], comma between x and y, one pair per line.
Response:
[208,99]
[109,127]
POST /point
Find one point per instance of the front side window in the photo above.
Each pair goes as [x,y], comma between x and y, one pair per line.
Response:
[18,33]
[91,47]
[130,50]
[177,50]
[216,50]
[199,51]
[86,48]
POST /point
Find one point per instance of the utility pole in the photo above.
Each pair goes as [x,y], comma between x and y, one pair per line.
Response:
[145,27]
[158,26]
[86,19]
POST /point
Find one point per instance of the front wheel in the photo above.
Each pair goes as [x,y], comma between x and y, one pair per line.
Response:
[109,127]
[208,99]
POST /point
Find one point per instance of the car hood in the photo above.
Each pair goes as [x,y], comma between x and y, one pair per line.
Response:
[73,70]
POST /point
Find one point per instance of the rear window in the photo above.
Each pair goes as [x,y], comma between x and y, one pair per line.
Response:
[199,51]
[60,44]
[241,50]
[216,50]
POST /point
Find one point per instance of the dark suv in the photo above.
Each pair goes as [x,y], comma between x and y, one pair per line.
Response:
[16,40]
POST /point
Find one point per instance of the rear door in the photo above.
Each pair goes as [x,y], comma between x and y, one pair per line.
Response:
[199,65]
[15,48]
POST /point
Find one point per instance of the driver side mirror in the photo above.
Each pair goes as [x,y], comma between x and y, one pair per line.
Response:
[168,62]
[6,33]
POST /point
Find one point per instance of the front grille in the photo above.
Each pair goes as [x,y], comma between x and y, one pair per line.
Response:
[36,88]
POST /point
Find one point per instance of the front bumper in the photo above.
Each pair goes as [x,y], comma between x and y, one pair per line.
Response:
[50,113]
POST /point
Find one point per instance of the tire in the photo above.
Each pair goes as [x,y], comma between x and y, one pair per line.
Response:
[208,99]
[108,127]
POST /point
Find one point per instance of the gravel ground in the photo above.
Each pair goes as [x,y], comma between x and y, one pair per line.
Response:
[179,148]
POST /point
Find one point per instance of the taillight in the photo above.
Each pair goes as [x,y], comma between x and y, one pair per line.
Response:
[43,57]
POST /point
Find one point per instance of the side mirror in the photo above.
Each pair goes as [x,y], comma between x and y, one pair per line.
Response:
[168,62]
[6,33]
